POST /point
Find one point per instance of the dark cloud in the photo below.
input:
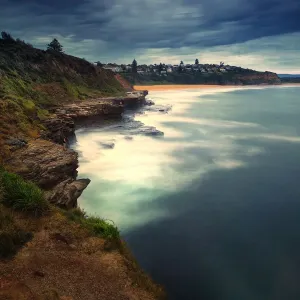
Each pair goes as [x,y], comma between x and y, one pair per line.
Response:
[130,25]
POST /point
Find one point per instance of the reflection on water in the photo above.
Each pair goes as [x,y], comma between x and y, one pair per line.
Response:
[204,205]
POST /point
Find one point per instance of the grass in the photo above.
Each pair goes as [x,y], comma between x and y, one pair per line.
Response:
[22,195]
[11,236]
[95,225]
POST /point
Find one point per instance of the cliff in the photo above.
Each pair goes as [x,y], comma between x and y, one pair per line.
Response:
[32,81]
[58,254]
[239,76]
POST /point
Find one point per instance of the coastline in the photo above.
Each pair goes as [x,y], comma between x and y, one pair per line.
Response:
[202,86]
[53,168]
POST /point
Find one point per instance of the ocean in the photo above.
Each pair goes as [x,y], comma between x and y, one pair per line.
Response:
[204,187]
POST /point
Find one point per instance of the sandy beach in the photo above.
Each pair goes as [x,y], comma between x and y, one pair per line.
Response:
[197,86]
[180,87]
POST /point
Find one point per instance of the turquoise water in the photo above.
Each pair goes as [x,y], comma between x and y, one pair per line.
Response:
[211,209]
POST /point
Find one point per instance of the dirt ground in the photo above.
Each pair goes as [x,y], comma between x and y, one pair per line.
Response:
[63,262]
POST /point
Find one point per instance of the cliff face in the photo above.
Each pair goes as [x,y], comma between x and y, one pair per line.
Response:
[33,80]
[258,78]
[237,77]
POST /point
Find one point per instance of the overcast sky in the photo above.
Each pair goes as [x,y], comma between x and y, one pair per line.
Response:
[258,34]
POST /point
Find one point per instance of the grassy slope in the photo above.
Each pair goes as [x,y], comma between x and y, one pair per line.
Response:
[71,241]
[31,80]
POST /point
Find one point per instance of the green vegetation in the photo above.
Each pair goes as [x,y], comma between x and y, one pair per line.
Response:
[134,66]
[11,236]
[21,195]
[95,225]
[179,78]
[55,46]
[33,80]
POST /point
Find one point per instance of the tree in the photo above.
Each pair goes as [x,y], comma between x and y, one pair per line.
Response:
[160,67]
[134,66]
[180,69]
[196,61]
[55,46]
[181,63]
[99,64]
[6,36]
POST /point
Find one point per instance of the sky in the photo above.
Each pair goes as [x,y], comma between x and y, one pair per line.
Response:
[257,34]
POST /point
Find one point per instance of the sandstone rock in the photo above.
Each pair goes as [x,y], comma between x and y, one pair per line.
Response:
[58,128]
[44,163]
[66,193]
[51,168]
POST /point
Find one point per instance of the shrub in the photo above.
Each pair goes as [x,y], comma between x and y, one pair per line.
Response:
[22,195]
[95,225]
[11,237]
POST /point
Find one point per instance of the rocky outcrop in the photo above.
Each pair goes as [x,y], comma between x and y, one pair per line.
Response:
[66,193]
[257,78]
[100,108]
[52,168]
[58,127]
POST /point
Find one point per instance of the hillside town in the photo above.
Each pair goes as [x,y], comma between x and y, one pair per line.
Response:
[165,69]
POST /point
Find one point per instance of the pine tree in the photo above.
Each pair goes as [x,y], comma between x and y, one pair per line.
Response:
[55,46]
[196,61]
[134,66]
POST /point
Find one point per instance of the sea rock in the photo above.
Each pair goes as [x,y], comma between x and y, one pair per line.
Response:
[159,108]
[150,130]
[107,145]
[149,102]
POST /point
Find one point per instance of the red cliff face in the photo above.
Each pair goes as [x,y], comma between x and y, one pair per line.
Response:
[258,78]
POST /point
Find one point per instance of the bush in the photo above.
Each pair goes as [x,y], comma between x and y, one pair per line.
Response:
[11,237]
[22,195]
[95,225]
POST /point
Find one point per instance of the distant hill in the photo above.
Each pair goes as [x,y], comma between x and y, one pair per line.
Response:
[239,76]
[289,75]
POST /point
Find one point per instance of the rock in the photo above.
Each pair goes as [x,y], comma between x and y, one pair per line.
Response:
[149,102]
[107,145]
[129,138]
[89,109]
[66,193]
[149,130]
[58,128]
[39,274]
[16,143]
[45,163]
[51,168]
[159,108]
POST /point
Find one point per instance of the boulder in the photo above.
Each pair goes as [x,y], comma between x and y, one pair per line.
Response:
[66,193]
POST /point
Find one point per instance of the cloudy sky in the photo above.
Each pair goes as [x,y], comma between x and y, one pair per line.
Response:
[258,34]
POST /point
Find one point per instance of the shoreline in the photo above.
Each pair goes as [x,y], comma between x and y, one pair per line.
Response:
[166,87]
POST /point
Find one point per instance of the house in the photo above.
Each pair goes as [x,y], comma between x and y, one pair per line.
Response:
[113,68]
[163,72]
[223,70]
[169,70]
